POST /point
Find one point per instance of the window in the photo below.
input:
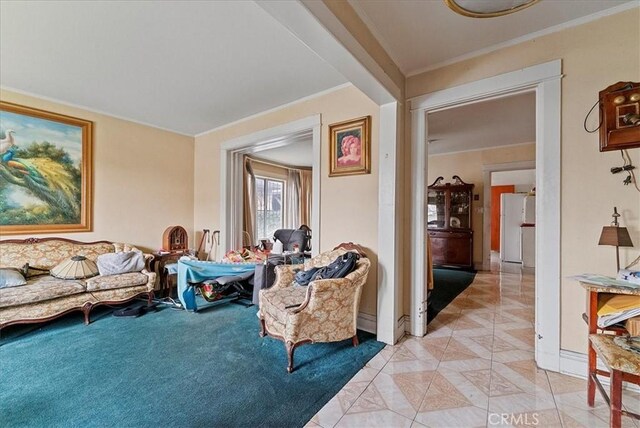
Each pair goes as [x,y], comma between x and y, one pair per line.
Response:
[269,212]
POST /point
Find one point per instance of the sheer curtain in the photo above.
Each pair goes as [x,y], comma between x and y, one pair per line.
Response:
[298,198]
[249,196]
[292,202]
[305,197]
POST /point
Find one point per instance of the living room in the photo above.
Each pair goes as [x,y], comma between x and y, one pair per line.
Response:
[165,111]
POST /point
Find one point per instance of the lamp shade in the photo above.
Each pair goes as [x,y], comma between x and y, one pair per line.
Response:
[77,267]
[616,236]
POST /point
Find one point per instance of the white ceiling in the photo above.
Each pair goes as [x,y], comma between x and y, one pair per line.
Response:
[494,123]
[184,66]
[298,153]
[423,34]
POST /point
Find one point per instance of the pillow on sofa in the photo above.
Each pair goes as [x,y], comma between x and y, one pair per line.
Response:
[30,271]
[10,277]
[77,267]
[117,263]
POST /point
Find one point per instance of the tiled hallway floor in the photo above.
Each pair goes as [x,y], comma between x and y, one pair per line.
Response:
[474,368]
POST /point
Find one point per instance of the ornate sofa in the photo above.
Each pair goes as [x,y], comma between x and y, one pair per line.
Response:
[324,311]
[44,297]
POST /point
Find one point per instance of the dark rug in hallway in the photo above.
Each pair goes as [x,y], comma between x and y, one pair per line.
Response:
[447,284]
[167,369]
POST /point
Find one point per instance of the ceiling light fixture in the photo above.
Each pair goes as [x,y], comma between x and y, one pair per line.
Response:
[488,8]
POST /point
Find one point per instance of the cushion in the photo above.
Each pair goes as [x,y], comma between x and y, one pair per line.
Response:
[110,282]
[117,263]
[48,253]
[10,277]
[277,302]
[77,267]
[31,271]
[39,289]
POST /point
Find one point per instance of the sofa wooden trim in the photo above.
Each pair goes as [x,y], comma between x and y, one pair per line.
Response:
[87,307]
[30,241]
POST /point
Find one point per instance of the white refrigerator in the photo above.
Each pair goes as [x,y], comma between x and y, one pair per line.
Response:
[510,220]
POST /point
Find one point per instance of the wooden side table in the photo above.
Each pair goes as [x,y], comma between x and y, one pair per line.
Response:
[158,264]
[623,365]
[591,318]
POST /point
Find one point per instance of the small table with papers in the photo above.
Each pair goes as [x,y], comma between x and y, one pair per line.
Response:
[595,292]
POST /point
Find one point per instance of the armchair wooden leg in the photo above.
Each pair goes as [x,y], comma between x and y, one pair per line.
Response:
[263,328]
[290,348]
[355,341]
[86,309]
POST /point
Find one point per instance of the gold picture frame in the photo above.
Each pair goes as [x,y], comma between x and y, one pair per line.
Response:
[350,147]
[46,171]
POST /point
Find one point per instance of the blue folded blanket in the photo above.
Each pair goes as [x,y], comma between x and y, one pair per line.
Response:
[195,271]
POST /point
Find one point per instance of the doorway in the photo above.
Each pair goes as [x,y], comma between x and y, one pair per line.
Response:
[544,80]
[510,248]
[231,175]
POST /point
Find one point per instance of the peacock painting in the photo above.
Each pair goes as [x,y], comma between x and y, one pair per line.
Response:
[43,171]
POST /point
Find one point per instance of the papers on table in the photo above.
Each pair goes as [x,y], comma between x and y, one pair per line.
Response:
[615,308]
[605,281]
[607,320]
[629,276]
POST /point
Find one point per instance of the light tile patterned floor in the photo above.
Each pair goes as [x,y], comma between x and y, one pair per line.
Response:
[475,365]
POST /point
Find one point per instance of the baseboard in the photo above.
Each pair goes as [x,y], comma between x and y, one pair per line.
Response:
[407,324]
[400,328]
[367,323]
[576,364]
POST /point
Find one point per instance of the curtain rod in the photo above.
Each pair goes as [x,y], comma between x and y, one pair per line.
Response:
[278,165]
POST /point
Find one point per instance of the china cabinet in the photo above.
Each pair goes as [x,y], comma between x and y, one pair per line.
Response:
[449,222]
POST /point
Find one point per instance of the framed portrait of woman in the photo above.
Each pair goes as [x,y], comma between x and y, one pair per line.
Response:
[350,147]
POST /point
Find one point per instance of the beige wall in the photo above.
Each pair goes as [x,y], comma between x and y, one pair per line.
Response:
[349,205]
[468,166]
[143,178]
[594,56]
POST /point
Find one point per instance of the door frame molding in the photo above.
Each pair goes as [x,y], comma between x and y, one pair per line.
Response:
[231,176]
[545,80]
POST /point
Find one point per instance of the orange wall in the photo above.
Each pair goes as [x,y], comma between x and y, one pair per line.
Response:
[496,201]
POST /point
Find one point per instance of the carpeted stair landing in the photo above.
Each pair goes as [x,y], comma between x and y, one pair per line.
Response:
[168,368]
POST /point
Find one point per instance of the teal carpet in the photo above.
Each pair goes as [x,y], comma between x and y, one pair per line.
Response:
[447,284]
[167,369]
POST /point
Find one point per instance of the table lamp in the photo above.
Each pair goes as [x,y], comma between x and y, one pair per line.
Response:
[616,236]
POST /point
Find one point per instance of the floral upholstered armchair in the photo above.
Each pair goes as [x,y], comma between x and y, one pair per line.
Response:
[324,311]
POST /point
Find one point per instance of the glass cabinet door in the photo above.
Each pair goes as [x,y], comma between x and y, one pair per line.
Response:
[460,214]
[436,205]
